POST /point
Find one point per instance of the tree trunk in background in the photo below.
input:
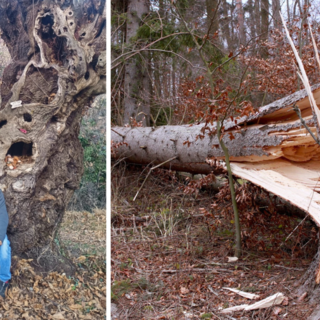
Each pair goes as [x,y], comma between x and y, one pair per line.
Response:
[257,19]
[58,66]
[136,76]
[212,17]
[252,19]
[264,26]
[225,25]
[276,14]
[242,34]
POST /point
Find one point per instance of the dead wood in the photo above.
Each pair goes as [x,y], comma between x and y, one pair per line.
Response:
[58,66]
[271,148]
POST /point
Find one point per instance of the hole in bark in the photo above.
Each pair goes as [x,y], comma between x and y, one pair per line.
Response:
[59,33]
[20,149]
[27,117]
[3,123]
[83,35]
[87,75]
[70,13]
[54,119]
[46,27]
[71,23]
[65,29]
[47,20]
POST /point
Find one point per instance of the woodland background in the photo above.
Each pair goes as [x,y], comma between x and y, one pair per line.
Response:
[152,47]
[170,245]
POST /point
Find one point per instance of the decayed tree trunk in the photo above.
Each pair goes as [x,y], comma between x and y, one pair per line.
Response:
[270,148]
[58,66]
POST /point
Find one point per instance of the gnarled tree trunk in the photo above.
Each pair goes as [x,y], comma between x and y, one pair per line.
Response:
[58,65]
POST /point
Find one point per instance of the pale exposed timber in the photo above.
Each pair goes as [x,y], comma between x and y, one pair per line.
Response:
[270,148]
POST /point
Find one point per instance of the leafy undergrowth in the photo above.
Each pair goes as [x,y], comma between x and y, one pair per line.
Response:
[169,254]
[33,296]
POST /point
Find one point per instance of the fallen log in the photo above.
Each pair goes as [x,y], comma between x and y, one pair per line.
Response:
[270,148]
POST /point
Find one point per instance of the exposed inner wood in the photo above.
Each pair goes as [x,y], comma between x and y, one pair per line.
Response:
[271,149]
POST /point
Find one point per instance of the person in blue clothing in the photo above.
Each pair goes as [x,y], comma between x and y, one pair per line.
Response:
[5,249]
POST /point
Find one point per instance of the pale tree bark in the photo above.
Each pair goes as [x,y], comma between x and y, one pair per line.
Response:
[225,25]
[251,22]
[257,19]
[270,148]
[242,34]
[276,14]
[58,66]
[137,81]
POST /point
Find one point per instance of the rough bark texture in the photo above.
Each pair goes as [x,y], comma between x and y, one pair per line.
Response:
[58,66]
[264,136]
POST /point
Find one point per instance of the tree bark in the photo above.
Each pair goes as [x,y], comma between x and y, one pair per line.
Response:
[58,66]
[270,148]
[136,76]
[212,17]
[276,14]
[242,34]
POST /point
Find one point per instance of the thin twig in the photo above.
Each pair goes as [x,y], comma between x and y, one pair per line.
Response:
[298,112]
[155,167]
[295,228]
[118,133]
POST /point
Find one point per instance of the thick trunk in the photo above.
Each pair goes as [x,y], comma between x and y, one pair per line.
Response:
[270,148]
[58,66]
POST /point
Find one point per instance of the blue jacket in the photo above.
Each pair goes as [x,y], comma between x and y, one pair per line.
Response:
[4,219]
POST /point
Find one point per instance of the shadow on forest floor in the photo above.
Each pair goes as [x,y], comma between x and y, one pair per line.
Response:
[169,255]
[32,295]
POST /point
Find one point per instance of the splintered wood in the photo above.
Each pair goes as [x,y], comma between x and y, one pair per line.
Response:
[271,148]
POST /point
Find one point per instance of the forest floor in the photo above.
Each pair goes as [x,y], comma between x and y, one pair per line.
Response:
[170,255]
[35,296]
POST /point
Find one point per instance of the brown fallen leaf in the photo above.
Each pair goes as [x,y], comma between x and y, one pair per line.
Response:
[184,290]
[277,310]
[303,296]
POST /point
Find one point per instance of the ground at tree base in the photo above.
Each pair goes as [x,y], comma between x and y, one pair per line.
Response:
[44,296]
[169,259]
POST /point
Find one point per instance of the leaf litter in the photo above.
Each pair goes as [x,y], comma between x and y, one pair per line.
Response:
[174,264]
[36,296]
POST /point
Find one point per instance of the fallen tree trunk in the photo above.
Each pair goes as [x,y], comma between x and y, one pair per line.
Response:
[270,148]
[58,66]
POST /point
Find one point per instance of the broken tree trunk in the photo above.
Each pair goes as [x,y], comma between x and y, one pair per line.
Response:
[58,66]
[270,148]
